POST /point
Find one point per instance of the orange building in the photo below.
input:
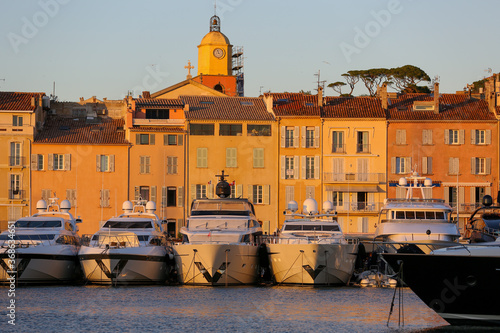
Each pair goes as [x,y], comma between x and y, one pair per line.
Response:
[450,138]
[84,160]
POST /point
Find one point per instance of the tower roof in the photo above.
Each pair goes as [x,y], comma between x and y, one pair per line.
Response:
[215,38]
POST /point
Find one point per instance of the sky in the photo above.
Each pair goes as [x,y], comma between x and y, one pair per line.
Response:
[109,48]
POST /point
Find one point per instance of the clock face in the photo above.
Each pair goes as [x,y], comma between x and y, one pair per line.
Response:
[219,53]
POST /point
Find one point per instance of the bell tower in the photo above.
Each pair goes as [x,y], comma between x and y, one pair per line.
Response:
[215,51]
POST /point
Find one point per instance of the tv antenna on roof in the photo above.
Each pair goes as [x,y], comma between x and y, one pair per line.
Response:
[320,83]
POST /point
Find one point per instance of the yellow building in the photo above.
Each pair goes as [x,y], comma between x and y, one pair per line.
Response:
[155,127]
[354,160]
[299,162]
[21,114]
[237,135]
[84,160]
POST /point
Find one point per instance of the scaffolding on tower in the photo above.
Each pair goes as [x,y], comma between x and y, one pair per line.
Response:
[238,69]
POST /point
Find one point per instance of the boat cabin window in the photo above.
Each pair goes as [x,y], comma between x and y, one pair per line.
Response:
[420,215]
[293,227]
[410,215]
[311,227]
[400,215]
[28,237]
[128,224]
[66,239]
[38,224]
[430,215]
[143,238]
[245,239]
[440,215]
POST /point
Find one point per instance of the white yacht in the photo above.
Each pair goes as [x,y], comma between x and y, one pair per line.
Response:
[128,249]
[414,222]
[219,241]
[42,248]
[311,248]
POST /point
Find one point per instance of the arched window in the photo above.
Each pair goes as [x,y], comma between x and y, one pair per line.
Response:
[219,88]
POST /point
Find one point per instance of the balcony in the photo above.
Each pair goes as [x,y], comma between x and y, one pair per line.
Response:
[17,194]
[359,207]
[157,122]
[338,149]
[17,161]
[465,208]
[363,148]
[330,177]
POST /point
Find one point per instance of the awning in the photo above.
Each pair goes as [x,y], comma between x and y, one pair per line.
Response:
[353,188]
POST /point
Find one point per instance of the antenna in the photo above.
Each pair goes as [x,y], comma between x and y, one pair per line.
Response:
[320,83]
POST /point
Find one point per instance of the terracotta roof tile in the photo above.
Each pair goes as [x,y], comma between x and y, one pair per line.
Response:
[353,107]
[295,104]
[17,100]
[157,129]
[226,108]
[158,103]
[451,107]
[80,131]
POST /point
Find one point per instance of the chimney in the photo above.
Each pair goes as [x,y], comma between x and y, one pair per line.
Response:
[436,97]
[383,95]
[33,102]
[146,94]
[489,94]
[320,96]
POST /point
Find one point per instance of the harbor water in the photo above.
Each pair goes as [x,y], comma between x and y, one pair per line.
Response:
[208,309]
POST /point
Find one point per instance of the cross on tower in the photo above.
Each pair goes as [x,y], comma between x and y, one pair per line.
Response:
[189,67]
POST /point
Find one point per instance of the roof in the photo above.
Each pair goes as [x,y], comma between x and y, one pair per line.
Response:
[226,108]
[18,100]
[353,107]
[215,38]
[192,82]
[451,107]
[295,104]
[80,131]
[164,129]
[158,103]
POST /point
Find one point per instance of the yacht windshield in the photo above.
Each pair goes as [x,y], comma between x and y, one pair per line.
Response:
[38,224]
[28,237]
[128,224]
[311,227]
[239,208]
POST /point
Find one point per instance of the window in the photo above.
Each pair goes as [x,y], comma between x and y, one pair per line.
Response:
[453,166]
[401,165]
[15,154]
[480,137]
[71,196]
[257,194]
[426,165]
[231,158]
[454,137]
[310,135]
[289,194]
[171,196]
[363,145]
[289,167]
[105,163]
[15,186]
[39,161]
[427,137]
[171,165]
[145,139]
[310,167]
[171,139]
[201,191]
[338,198]
[142,193]
[259,130]
[58,162]
[201,129]
[230,129]
[479,193]
[145,166]
[104,198]
[338,145]
[258,157]
[17,121]
[157,114]
[481,166]
[401,137]
[201,157]
[290,135]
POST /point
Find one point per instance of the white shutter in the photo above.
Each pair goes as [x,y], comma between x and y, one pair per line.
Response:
[67,161]
[316,167]
[424,166]
[473,166]
[34,162]
[393,165]
[283,166]
[488,165]
[451,165]
[487,190]
[266,189]
[429,137]
[303,136]
[403,137]
[472,195]
[296,167]
[461,195]
[424,137]
[142,164]
[446,137]
[180,196]
[461,136]
[111,163]
[447,194]
[153,194]
[239,191]
[50,162]
[472,137]
[316,136]
[98,163]
[250,193]
[303,167]
[193,192]
[488,137]
[210,191]
[398,137]
[137,193]
[283,136]
[163,196]
[296,137]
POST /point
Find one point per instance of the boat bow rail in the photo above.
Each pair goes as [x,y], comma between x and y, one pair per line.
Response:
[122,241]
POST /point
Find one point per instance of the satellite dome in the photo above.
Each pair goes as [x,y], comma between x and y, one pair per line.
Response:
[41,205]
[403,181]
[65,205]
[427,182]
[327,206]
[293,206]
[150,207]
[127,206]
[310,206]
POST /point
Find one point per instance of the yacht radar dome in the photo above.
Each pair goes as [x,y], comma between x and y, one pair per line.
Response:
[428,182]
[487,200]
[327,206]
[150,207]
[41,206]
[310,206]
[65,206]
[127,206]
[293,206]
[403,181]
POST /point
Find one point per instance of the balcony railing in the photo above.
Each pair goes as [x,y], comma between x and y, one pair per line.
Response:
[353,177]
[359,207]
[17,194]
[362,148]
[17,161]
[465,208]
[338,148]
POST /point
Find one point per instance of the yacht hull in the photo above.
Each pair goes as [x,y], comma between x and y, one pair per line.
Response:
[41,265]
[139,265]
[462,289]
[217,264]
[313,264]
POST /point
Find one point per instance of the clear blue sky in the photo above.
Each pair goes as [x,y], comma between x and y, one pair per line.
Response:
[106,48]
